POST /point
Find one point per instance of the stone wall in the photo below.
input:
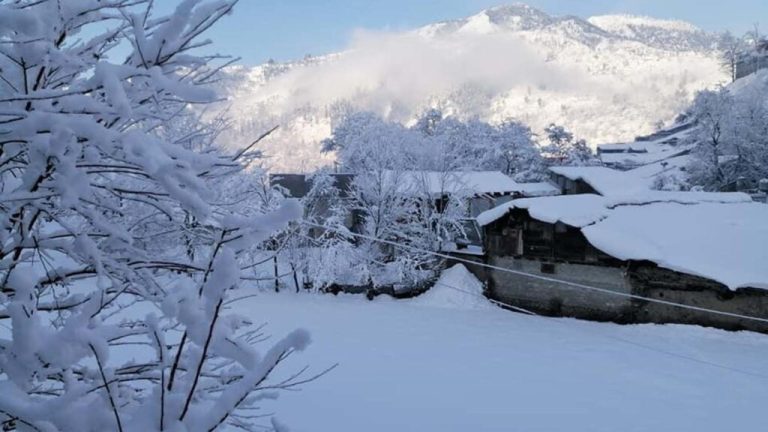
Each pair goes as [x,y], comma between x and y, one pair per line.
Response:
[556,299]
[644,279]
[648,280]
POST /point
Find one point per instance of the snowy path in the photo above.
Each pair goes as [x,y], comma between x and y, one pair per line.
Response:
[405,366]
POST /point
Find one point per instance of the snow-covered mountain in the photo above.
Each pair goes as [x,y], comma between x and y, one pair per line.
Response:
[607,78]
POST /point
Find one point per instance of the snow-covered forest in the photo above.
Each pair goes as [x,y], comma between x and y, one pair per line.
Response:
[469,250]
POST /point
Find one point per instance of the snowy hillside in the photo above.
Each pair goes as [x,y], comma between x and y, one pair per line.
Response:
[607,78]
[672,157]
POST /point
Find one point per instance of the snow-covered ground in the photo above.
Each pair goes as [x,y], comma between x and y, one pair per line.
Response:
[425,365]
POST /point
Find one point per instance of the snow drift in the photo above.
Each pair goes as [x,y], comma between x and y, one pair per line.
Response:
[456,288]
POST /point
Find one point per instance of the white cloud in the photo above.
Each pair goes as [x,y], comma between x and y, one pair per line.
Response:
[606,90]
[380,69]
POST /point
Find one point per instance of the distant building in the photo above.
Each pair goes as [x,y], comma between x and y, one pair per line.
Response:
[297,186]
[591,180]
[661,145]
[483,190]
[757,189]
[752,61]
[610,231]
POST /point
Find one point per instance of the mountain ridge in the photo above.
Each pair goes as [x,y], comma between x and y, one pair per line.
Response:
[608,78]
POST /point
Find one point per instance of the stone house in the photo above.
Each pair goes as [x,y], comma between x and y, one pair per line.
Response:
[699,249]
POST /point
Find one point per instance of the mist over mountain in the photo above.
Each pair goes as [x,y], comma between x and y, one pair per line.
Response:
[607,78]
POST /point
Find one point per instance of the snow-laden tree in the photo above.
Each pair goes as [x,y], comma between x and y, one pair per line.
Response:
[321,249]
[450,143]
[564,149]
[731,50]
[428,122]
[514,152]
[407,187]
[713,114]
[394,210]
[439,143]
[118,247]
[361,138]
[750,149]
[731,138]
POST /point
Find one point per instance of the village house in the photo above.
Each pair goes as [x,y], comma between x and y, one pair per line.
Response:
[661,145]
[753,60]
[481,190]
[590,179]
[696,248]
[605,229]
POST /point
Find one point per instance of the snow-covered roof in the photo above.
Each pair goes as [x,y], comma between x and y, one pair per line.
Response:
[722,242]
[719,236]
[635,157]
[670,167]
[537,189]
[584,209]
[605,181]
[662,145]
[473,182]
[653,197]
[575,210]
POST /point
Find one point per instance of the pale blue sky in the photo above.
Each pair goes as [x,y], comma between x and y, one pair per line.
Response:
[289,29]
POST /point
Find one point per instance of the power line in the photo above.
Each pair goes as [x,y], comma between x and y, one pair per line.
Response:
[615,338]
[576,285]
[539,277]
